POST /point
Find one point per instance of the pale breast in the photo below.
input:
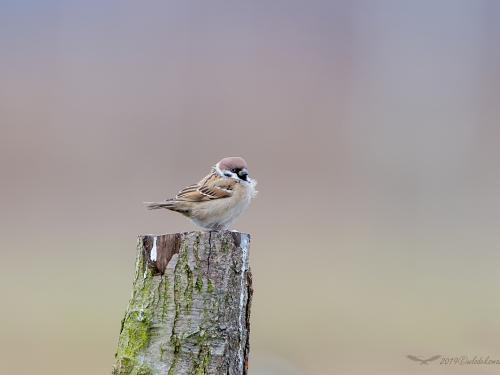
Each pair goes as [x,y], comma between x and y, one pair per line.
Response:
[220,213]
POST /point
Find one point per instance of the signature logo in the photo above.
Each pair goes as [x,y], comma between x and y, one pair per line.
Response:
[422,361]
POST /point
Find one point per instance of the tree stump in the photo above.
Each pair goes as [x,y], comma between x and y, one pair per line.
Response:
[189,312]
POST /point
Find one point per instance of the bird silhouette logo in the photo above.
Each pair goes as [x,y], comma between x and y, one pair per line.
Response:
[422,361]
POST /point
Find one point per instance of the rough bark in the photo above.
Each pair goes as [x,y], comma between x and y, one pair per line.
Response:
[189,312]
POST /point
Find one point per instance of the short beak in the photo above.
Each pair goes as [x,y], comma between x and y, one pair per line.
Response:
[243,174]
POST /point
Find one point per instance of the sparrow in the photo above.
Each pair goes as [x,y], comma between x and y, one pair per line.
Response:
[218,199]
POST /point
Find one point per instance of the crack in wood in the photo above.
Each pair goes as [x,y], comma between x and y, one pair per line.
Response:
[167,245]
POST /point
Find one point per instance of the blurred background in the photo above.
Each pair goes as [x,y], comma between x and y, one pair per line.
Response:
[372,126]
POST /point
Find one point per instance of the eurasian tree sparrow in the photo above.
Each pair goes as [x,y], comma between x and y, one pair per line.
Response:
[218,199]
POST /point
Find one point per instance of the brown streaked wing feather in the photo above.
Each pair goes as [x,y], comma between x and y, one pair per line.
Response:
[187,190]
[216,192]
[191,194]
[211,187]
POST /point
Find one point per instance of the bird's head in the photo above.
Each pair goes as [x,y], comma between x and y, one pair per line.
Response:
[233,167]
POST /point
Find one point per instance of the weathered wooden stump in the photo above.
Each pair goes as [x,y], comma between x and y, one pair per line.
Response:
[189,312]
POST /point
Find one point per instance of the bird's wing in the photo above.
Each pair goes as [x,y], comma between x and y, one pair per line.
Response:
[433,358]
[413,358]
[211,187]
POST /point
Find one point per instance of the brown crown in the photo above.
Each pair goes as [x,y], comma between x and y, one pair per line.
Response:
[232,162]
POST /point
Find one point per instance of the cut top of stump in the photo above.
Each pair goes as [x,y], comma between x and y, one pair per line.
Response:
[159,249]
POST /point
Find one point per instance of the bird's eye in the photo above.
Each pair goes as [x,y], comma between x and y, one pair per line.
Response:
[234,170]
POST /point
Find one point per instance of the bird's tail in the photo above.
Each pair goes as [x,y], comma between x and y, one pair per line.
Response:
[168,204]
